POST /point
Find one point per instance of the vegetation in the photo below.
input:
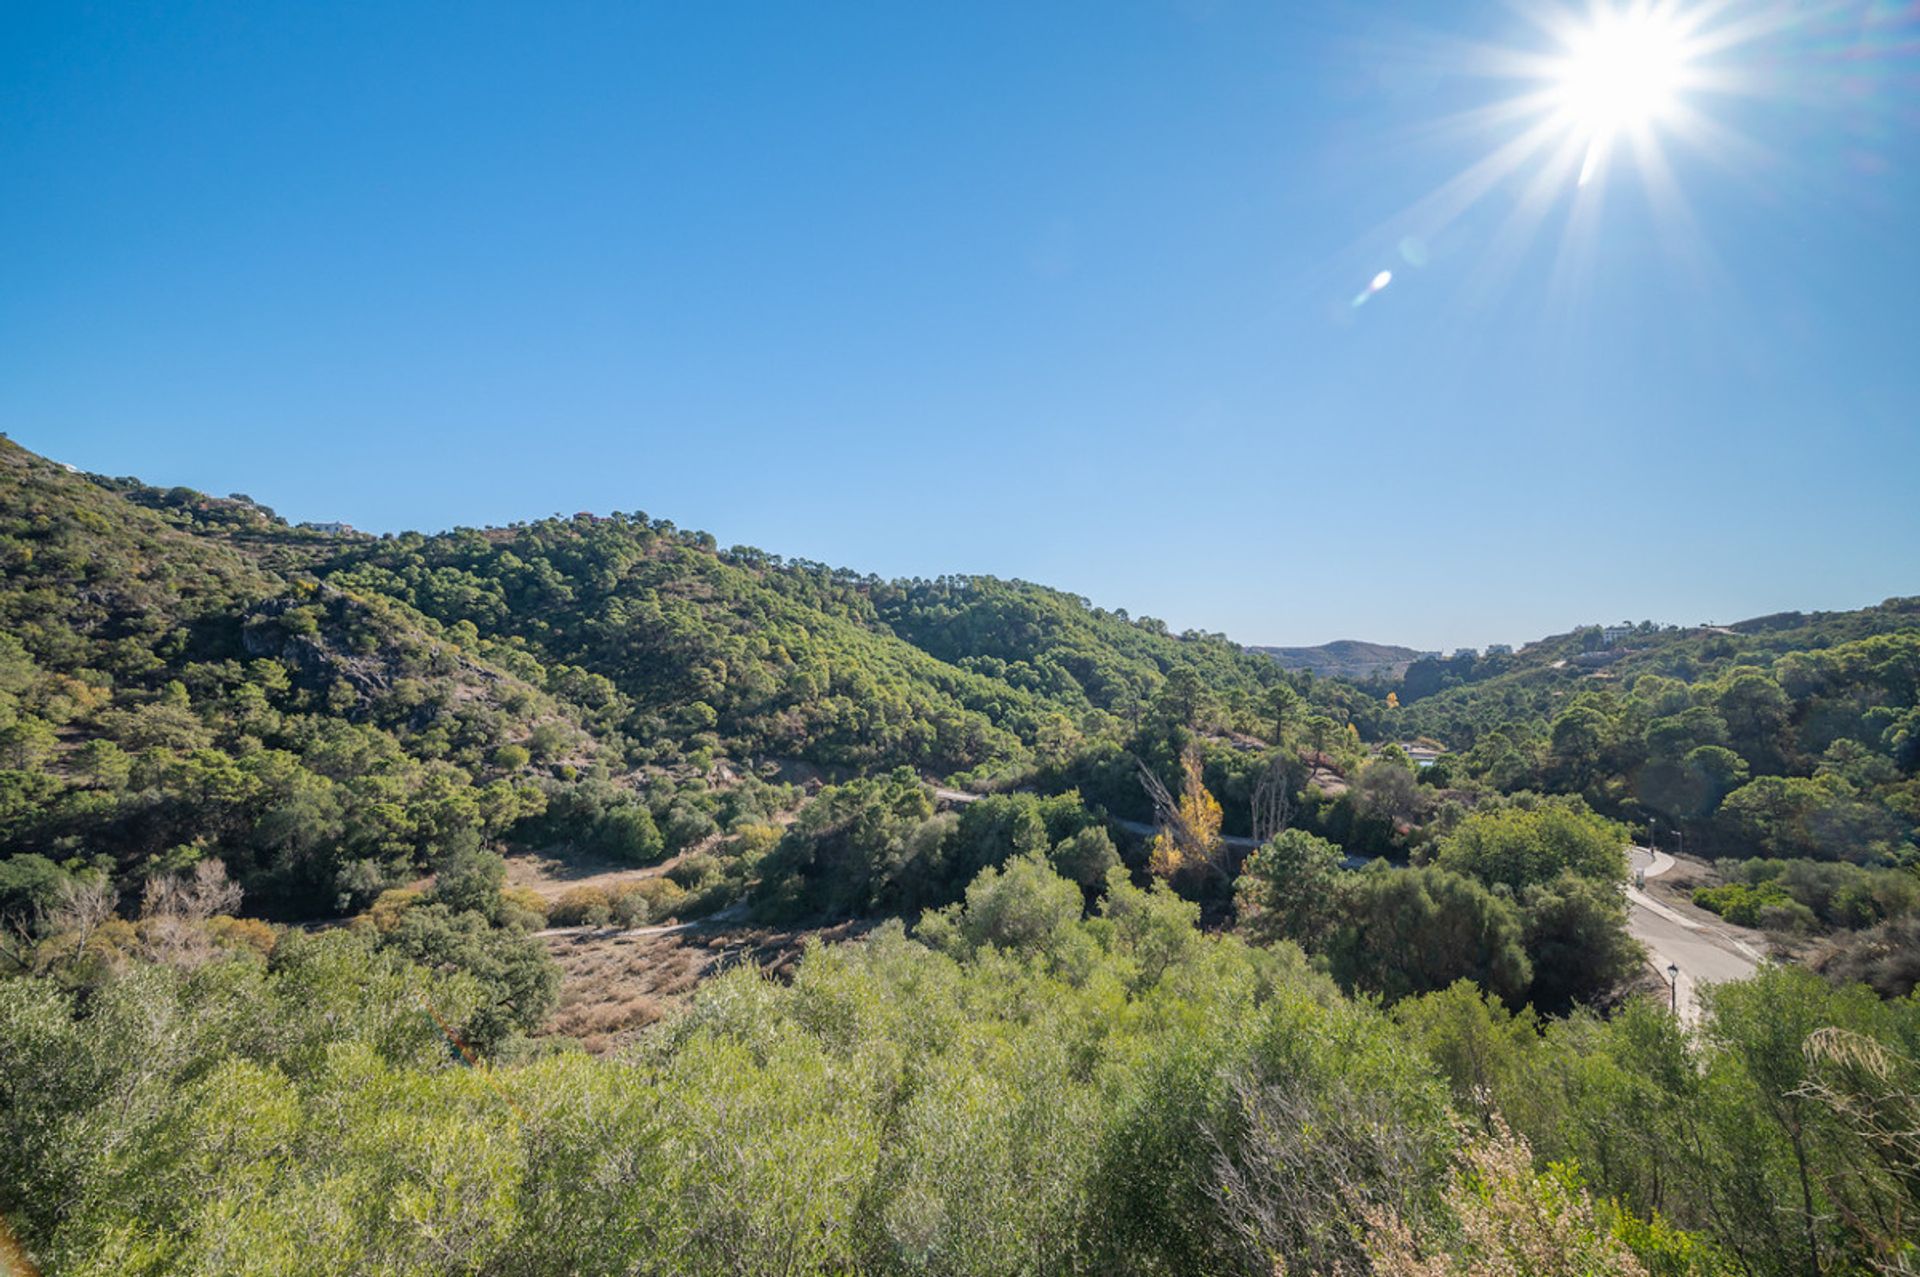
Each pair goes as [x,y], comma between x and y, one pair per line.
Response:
[1787,737]
[1023,1088]
[268,1003]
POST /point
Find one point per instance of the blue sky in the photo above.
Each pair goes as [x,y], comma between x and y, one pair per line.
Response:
[1062,292]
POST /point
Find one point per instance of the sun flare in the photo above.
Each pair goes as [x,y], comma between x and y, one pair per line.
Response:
[1622,72]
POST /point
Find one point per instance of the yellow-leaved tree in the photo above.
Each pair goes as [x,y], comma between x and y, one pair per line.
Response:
[1192,835]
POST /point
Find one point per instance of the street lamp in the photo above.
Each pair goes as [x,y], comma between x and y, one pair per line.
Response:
[1673,982]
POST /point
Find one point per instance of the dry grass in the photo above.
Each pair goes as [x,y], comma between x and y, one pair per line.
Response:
[613,986]
[552,876]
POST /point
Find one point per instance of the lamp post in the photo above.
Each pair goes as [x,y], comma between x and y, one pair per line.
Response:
[1673,986]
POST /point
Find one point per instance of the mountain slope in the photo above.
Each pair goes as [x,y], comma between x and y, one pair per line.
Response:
[1459,699]
[1345,658]
[162,695]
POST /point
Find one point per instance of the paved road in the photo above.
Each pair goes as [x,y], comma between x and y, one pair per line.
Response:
[1704,952]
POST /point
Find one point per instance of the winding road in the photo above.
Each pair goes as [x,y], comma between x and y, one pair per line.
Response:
[1704,952]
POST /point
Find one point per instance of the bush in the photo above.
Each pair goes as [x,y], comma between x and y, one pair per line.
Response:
[662,896]
[1520,846]
[390,906]
[1576,938]
[1407,931]
[698,872]
[581,907]
[627,832]
[523,907]
[248,934]
[750,842]
[1886,958]
[685,825]
[1086,857]
[632,909]
[1742,904]
[1837,894]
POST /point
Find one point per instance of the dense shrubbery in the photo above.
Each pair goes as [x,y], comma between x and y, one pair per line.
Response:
[1523,900]
[1034,1092]
[876,846]
[1815,894]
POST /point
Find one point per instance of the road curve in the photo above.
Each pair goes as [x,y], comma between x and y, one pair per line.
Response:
[1703,952]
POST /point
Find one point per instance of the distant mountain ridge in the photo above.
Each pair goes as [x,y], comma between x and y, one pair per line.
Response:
[1345,658]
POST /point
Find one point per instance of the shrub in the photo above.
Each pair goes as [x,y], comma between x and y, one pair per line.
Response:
[750,842]
[698,872]
[523,907]
[390,906]
[1742,904]
[243,933]
[632,909]
[581,907]
[627,832]
[663,896]
[1519,846]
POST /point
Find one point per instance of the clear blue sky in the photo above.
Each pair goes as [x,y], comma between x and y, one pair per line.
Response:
[1058,291]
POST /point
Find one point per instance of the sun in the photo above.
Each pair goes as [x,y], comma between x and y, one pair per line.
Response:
[1578,87]
[1622,72]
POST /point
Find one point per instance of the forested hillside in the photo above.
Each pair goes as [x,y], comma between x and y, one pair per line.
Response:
[1346,658]
[269,1001]
[1790,736]
[187,676]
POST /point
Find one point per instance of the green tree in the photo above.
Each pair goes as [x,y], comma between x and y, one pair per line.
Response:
[1023,907]
[1518,846]
[1289,889]
[1575,932]
[520,981]
[471,879]
[1408,931]
[1086,857]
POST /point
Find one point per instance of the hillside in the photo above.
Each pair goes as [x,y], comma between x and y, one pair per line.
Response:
[1792,736]
[1456,698]
[164,695]
[334,715]
[1345,658]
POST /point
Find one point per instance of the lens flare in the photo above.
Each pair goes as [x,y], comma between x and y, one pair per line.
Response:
[1374,285]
